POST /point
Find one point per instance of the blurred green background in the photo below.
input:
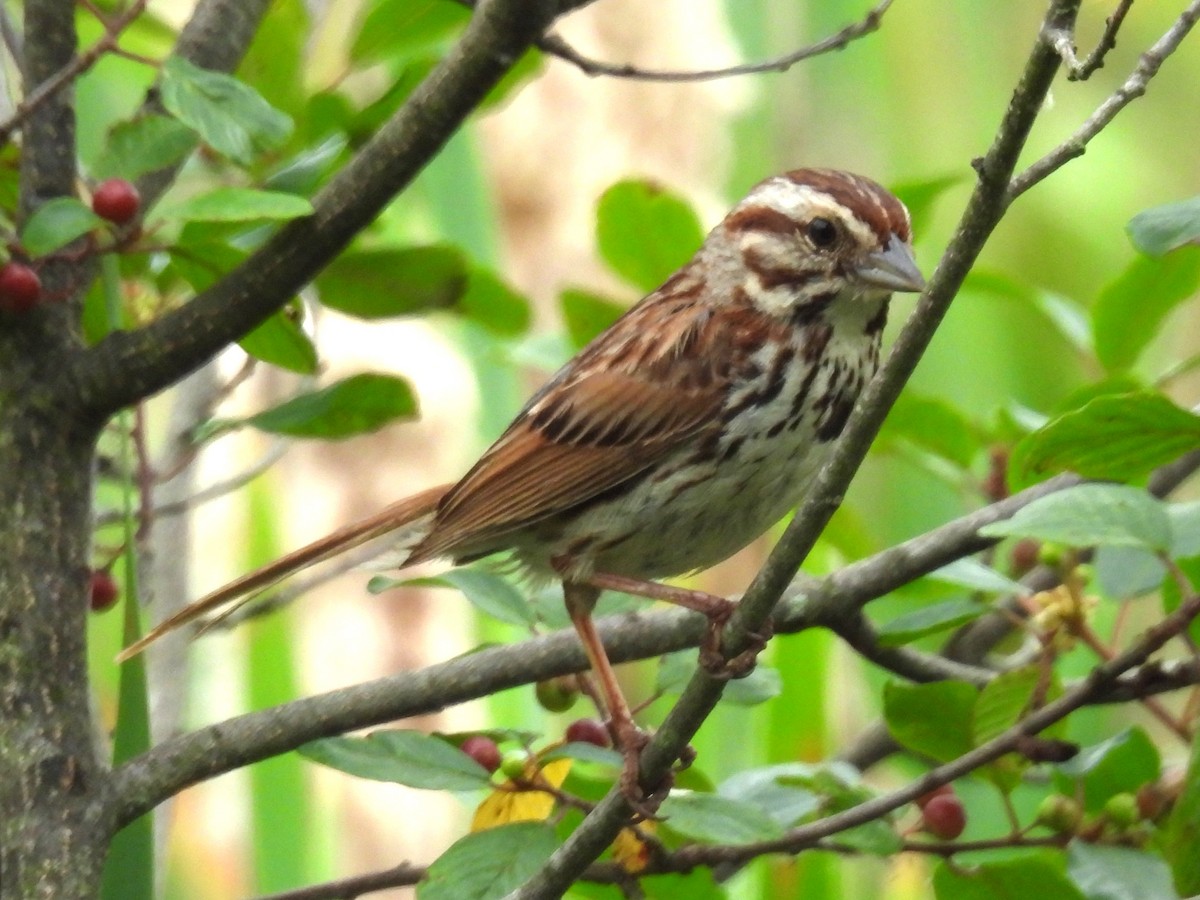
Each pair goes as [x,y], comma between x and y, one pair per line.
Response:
[910,105]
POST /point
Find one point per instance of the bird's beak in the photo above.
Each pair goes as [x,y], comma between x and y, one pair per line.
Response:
[892,268]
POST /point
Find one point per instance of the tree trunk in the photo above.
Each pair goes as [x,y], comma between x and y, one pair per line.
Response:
[53,832]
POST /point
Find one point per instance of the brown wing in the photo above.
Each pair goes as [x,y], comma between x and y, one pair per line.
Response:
[636,394]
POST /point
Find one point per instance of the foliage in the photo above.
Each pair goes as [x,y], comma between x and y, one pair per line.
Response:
[1075,366]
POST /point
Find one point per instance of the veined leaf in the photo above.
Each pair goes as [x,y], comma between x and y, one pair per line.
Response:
[355,405]
[228,114]
[1091,514]
[1118,437]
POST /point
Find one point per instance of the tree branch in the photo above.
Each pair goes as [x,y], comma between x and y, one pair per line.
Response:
[1134,86]
[145,781]
[983,211]
[556,46]
[69,72]
[133,364]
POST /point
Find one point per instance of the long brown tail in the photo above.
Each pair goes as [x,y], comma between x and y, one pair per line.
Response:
[240,590]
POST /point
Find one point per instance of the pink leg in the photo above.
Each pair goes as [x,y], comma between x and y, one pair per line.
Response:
[629,739]
[716,609]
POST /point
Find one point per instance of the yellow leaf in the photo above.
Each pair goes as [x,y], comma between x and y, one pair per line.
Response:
[511,803]
[630,851]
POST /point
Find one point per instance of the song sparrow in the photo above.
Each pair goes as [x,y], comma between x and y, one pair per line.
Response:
[685,430]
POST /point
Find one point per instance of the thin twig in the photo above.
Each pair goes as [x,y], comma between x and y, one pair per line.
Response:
[68,73]
[402,875]
[276,452]
[556,46]
[1108,40]
[1134,87]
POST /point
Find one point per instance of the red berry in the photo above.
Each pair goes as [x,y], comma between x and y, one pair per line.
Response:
[587,731]
[116,200]
[102,591]
[940,791]
[944,817]
[1025,555]
[483,750]
[20,287]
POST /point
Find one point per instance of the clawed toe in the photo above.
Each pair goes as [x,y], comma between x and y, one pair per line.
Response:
[714,662]
[644,805]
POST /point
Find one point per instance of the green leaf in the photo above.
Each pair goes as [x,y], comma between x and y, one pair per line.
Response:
[527,66]
[1002,701]
[1124,572]
[405,757]
[229,115]
[362,124]
[1091,514]
[972,574]
[492,303]
[1161,229]
[489,864]
[718,819]
[1181,834]
[1129,312]
[1068,317]
[933,425]
[145,144]
[906,628]
[280,341]
[487,592]
[399,28]
[304,172]
[130,865]
[355,405]
[645,232]
[587,314]
[765,788]
[919,197]
[1118,437]
[935,719]
[1025,876]
[55,224]
[1121,764]
[1118,873]
[375,284]
[229,204]
[762,684]
[203,255]
[584,752]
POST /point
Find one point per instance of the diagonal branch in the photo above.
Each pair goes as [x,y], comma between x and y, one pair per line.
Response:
[130,365]
[983,212]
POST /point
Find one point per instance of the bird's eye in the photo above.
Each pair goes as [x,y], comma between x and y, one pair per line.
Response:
[822,232]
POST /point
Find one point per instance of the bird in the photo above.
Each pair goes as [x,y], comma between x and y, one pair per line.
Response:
[682,432]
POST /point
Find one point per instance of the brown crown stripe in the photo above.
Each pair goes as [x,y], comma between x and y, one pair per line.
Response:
[870,201]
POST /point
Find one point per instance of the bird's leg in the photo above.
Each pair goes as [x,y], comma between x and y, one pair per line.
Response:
[629,739]
[716,610]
